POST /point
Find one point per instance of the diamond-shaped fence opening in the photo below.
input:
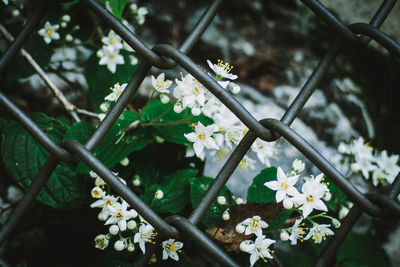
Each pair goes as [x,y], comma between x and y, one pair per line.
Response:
[165,56]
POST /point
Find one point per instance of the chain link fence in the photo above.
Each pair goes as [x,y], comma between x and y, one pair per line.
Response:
[164,56]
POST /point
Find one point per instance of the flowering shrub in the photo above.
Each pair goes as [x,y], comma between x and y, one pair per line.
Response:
[157,148]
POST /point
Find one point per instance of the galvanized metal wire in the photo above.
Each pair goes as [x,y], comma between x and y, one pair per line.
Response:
[164,56]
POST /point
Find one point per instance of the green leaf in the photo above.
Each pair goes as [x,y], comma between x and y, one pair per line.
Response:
[117,143]
[80,131]
[100,79]
[24,158]
[171,133]
[296,259]
[117,7]
[338,197]
[361,250]
[280,220]
[176,192]
[213,216]
[258,192]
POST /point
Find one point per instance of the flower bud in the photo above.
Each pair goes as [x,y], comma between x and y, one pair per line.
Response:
[287,203]
[131,247]
[114,229]
[298,165]
[102,216]
[105,107]
[159,139]
[15,13]
[119,245]
[221,200]
[327,196]
[96,192]
[101,116]
[240,228]
[66,18]
[136,180]
[335,223]
[124,162]
[69,38]
[244,246]
[343,212]
[178,108]
[284,236]
[234,88]
[196,111]
[63,24]
[239,201]
[225,215]
[133,213]
[159,194]
[164,98]
[93,174]
[342,148]
[131,225]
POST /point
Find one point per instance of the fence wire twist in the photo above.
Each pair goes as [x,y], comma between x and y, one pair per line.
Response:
[164,56]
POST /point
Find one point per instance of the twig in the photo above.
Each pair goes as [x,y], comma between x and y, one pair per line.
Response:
[71,108]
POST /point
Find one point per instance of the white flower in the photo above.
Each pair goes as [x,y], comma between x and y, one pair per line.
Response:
[389,165]
[140,13]
[222,70]
[110,57]
[105,203]
[297,232]
[312,191]
[363,164]
[202,137]
[246,163]
[190,92]
[298,165]
[264,150]
[96,192]
[259,249]
[159,194]
[319,232]
[120,214]
[170,249]
[254,225]
[159,84]
[117,90]
[101,242]
[112,40]
[284,185]
[284,236]
[234,134]
[145,234]
[49,32]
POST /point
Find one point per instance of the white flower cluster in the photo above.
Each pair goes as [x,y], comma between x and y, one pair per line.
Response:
[126,225]
[49,31]
[110,55]
[226,131]
[360,158]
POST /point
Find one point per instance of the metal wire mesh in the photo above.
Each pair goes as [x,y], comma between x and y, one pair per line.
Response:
[165,56]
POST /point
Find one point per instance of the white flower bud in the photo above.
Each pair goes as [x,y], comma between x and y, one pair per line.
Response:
[119,245]
[93,174]
[101,116]
[240,228]
[66,18]
[178,108]
[234,88]
[284,236]
[131,247]
[335,223]
[114,229]
[105,107]
[225,215]
[343,212]
[100,53]
[131,225]
[124,162]
[221,200]
[196,111]
[164,98]
[136,181]
[133,7]
[63,24]
[298,165]
[287,203]
[327,196]
[96,192]
[239,201]
[69,38]
[133,213]
[159,194]
[342,148]
[134,60]
[15,13]
[102,216]
[244,246]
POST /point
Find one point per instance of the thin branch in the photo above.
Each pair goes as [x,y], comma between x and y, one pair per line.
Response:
[71,108]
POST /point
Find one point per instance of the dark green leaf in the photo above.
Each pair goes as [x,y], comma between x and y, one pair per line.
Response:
[296,259]
[24,158]
[117,143]
[213,216]
[173,133]
[258,192]
[100,79]
[338,197]
[80,131]
[117,7]
[176,192]
[361,250]
[280,220]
